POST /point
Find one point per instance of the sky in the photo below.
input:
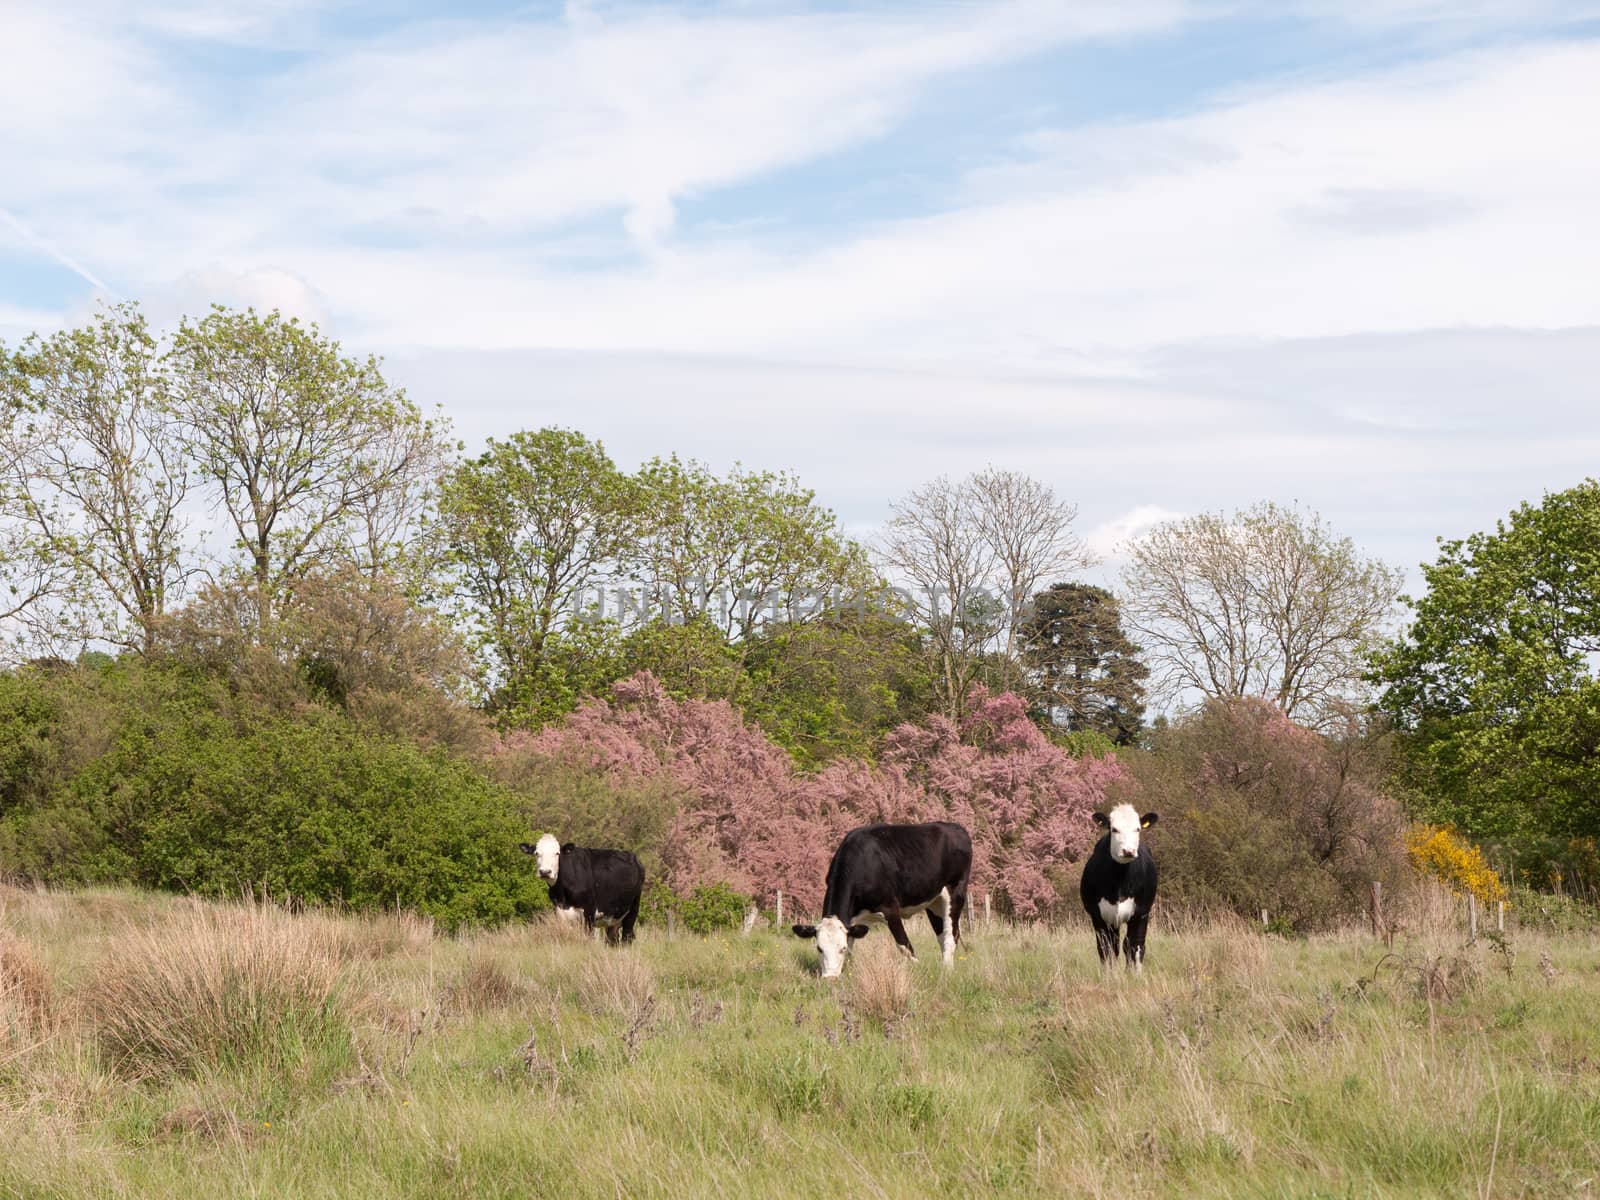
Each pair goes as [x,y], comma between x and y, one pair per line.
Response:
[1166,256]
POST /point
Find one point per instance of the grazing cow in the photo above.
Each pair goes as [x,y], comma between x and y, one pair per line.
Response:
[1119,884]
[601,886]
[885,873]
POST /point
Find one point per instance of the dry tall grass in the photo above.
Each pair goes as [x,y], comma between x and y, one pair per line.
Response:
[879,980]
[27,1000]
[219,988]
[1237,1064]
[617,983]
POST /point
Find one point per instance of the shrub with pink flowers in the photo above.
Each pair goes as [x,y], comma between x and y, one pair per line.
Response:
[746,817]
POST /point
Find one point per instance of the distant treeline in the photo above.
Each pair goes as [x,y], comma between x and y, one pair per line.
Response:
[269,629]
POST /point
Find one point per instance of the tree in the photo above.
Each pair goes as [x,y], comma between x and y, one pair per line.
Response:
[531,529]
[1494,679]
[969,553]
[743,551]
[95,477]
[1029,533]
[833,686]
[300,445]
[1268,603]
[1086,674]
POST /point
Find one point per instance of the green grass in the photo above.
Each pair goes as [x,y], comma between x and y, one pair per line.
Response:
[527,1062]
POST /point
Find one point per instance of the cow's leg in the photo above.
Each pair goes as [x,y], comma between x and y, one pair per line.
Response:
[958,906]
[1133,949]
[897,927]
[939,918]
[628,920]
[588,920]
[613,934]
[1105,938]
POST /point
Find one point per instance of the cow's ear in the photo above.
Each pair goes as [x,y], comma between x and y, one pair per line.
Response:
[1102,820]
[565,846]
[525,848]
[1148,820]
[859,931]
[805,931]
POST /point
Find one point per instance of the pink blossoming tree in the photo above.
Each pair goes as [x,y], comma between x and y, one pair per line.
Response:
[748,818]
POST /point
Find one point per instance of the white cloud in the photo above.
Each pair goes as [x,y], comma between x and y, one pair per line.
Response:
[509,127]
[1248,281]
[1109,539]
[264,288]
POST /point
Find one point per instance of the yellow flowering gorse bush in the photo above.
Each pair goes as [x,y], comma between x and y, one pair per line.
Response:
[1450,858]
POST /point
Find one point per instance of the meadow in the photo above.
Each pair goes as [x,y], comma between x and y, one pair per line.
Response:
[165,1047]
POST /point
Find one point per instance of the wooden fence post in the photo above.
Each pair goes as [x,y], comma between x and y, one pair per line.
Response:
[670,923]
[1500,916]
[1377,909]
[988,913]
[1472,917]
[777,919]
[1263,918]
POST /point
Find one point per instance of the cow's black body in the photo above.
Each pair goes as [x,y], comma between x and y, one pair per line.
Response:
[603,885]
[884,869]
[1105,879]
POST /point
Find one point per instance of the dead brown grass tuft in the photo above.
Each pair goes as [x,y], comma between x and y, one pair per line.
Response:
[212,1124]
[235,988]
[370,937]
[28,1010]
[880,981]
[483,987]
[617,983]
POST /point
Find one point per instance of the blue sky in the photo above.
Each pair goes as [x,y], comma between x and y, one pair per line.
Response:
[1165,255]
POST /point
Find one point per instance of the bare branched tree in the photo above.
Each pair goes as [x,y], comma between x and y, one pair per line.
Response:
[1029,533]
[970,555]
[1267,602]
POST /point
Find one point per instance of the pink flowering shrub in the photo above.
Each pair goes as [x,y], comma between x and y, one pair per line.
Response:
[747,818]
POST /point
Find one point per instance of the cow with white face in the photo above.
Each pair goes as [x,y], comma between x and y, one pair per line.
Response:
[602,887]
[1118,888]
[881,874]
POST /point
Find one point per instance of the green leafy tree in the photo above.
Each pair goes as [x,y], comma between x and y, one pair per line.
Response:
[93,479]
[1085,673]
[692,659]
[835,685]
[309,452]
[743,551]
[531,529]
[1494,679]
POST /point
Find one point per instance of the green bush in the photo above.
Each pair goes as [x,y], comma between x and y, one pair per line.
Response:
[194,792]
[657,900]
[712,906]
[1553,913]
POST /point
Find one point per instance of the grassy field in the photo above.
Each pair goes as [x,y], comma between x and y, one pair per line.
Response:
[155,1046]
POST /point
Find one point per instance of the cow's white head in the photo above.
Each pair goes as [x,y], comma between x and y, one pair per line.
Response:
[546,856]
[833,940]
[1125,825]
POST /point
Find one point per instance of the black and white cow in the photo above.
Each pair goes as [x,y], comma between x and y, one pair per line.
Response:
[881,874]
[601,886]
[1119,884]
